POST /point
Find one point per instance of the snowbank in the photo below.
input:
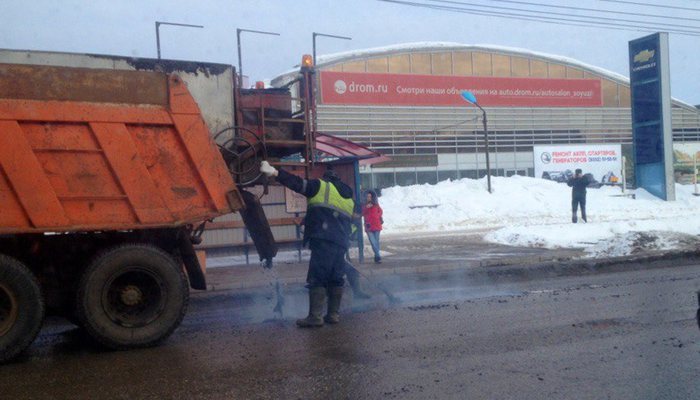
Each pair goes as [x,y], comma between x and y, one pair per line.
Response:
[524,211]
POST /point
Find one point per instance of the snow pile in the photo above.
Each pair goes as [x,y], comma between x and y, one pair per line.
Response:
[637,242]
[532,212]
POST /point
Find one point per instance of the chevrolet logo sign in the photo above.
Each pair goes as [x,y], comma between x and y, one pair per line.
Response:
[644,56]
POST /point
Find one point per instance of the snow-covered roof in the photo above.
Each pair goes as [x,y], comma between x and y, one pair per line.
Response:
[335,58]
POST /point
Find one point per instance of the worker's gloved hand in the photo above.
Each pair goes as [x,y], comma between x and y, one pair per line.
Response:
[268,169]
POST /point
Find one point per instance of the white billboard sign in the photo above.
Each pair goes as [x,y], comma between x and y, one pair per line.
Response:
[686,156]
[294,202]
[558,162]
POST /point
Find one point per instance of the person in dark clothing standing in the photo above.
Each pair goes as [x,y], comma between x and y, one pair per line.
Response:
[328,225]
[578,184]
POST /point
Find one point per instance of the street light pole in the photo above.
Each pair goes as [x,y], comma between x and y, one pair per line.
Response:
[315,34]
[469,97]
[238,44]
[159,23]
[486,144]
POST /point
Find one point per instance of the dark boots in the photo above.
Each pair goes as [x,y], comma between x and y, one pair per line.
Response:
[335,294]
[317,302]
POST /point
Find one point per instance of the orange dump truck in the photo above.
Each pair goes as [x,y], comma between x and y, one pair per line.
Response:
[106,173]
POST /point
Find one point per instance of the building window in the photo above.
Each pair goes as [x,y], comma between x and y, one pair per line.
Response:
[445,175]
[427,177]
[405,178]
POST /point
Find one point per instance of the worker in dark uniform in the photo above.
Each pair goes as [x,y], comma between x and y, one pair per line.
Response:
[578,184]
[328,226]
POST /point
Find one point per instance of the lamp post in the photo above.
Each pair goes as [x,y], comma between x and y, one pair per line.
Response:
[313,36]
[469,97]
[238,43]
[159,23]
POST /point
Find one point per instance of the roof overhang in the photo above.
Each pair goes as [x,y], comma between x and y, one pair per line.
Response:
[345,149]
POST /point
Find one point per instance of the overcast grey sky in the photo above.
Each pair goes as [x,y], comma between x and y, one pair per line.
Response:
[126,27]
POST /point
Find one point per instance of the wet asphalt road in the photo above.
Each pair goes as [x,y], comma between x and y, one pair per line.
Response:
[622,335]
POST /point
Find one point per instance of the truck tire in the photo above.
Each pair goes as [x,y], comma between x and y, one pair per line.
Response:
[21,308]
[132,296]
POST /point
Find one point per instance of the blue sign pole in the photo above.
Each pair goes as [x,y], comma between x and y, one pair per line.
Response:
[652,135]
[358,199]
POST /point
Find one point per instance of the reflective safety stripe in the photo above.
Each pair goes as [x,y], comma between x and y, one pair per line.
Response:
[329,197]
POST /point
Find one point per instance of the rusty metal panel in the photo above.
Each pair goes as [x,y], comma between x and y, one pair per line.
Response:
[38,82]
[26,176]
[210,84]
[120,151]
[64,168]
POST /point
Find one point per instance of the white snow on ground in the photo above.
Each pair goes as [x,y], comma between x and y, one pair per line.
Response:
[532,212]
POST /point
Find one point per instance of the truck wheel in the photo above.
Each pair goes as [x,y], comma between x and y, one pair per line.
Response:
[132,296]
[21,308]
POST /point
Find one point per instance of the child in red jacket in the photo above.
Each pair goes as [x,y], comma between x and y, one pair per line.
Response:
[372,214]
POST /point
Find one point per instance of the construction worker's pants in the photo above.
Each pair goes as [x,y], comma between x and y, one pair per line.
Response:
[327,264]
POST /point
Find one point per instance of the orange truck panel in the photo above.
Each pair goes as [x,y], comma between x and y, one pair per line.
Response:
[72,160]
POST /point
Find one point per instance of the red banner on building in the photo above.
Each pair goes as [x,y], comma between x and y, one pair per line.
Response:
[428,90]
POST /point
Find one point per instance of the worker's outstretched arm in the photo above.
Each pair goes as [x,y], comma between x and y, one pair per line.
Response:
[305,187]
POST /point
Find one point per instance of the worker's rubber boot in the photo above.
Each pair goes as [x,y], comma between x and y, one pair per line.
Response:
[317,302]
[335,294]
[354,281]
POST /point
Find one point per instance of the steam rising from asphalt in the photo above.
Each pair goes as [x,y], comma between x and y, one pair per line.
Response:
[279,306]
[443,287]
[278,295]
[280,302]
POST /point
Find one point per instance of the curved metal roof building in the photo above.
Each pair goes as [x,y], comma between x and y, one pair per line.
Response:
[404,101]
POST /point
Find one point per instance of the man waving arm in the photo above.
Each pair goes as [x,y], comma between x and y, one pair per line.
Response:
[304,187]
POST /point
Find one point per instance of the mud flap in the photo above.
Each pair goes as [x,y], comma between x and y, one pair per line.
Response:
[189,258]
[259,229]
